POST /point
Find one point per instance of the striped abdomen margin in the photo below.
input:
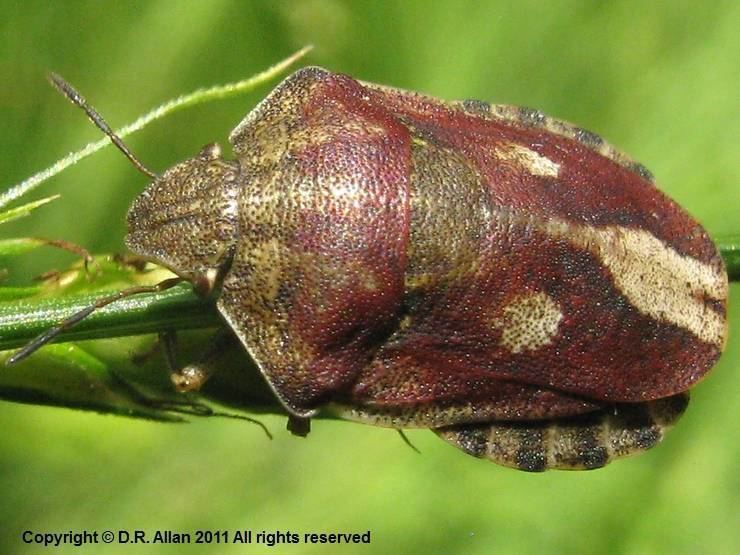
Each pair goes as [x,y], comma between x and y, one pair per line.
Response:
[579,443]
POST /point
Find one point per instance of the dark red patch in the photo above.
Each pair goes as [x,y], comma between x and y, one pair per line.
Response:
[590,189]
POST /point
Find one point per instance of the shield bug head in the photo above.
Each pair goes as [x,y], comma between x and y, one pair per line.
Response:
[506,279]
[187,218]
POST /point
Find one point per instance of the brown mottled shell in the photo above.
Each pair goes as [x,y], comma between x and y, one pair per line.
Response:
[451,265]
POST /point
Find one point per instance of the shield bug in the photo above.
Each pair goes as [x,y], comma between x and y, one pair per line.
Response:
[508,280]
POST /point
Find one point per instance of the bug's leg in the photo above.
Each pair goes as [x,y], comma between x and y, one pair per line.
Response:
[148,354]
[578,443]
[194,375]
[132,261]
[87,258]
[187,407]
[298,426]
[407,441]
[167,343]
[74,248]
[184,406]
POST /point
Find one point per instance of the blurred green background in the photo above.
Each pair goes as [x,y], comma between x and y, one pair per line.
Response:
[658,79]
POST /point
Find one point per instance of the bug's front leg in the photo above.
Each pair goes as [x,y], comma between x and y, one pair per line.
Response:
[194,375]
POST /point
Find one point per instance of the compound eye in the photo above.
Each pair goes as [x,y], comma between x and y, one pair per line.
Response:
[205,283]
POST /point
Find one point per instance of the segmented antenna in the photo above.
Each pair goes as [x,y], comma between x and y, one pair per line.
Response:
[77,99]
[51,333]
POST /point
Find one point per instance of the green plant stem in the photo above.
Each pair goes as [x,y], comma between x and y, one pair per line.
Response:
[176,309]
[729,248]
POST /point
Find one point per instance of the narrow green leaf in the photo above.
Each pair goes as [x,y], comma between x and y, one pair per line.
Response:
[197,97]
[69,376]
[14,293]
[23,245]
[24,210]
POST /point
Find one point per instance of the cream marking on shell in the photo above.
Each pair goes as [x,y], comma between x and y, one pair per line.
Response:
[529,322]
[231,208]
[657,280]
[368,280]
[258,204]
[408,417]
[317,136]
[419,281]
[268,260]
[347,193]
[528,159]
[549,443]
[609,436]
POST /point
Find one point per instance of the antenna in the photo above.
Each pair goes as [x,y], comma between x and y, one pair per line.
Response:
[77,99]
